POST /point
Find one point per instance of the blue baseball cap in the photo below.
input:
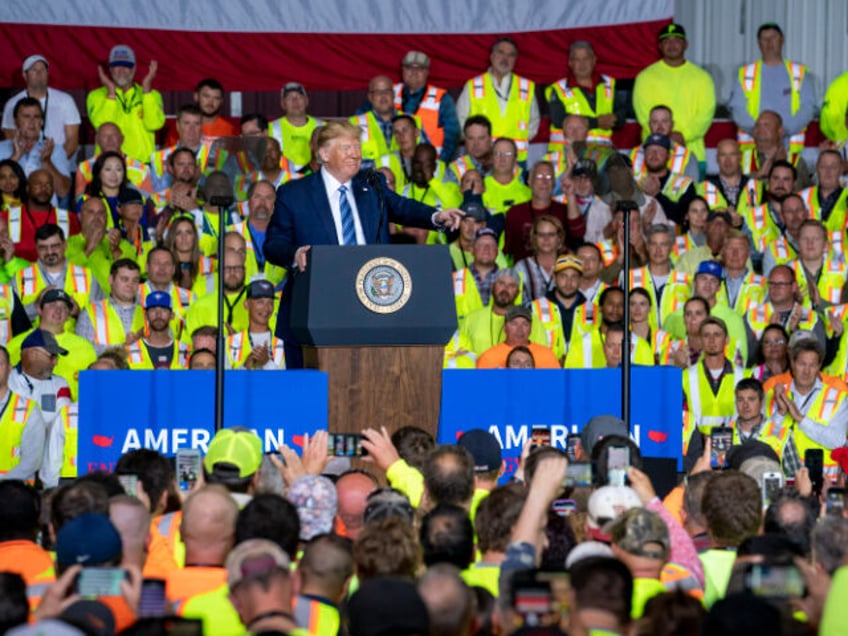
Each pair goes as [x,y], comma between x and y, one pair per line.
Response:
[158,299]
[657,140]
[713,268]
[39,338]
[89,539]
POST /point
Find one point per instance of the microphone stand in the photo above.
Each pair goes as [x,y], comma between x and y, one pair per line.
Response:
[223,203]
[628,207]
[373,180]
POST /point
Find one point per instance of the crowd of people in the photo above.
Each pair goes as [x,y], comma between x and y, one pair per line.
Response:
[281,543]
[737,278]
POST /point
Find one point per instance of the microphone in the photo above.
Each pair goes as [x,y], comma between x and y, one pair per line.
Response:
[373,179]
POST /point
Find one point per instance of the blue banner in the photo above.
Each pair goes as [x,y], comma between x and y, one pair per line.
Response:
[164,411]
[509,402]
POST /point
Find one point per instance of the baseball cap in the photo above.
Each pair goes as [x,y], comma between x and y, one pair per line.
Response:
[798,335]
[636,529]
[584,168]
[238,447]
[387,605]
[482,445]
[254,558]
[719,214]
[45,340]
[472,205]
[315,499]
[568,262]
[672,30]
[840,456]
[387,502]
[89,539]
[517,311]
[713,268]
[585,550]
[486,231]
[656,139]
[94,617]
[416,58]
[122,55]
[128,196]
[32,60]
[606,504]
[294,87]
[260,289]
[158,299]
[52,295]
[599,427]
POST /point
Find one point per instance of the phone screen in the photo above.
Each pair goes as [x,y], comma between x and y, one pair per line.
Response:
[578,474]
[814,461]
[720,441]
[130,484]
[95,582]
[775,581]
[345,445]
[772,483]
[152,603]
[540,436]
[835,501]
[572,444]
[188,467]
[618,460]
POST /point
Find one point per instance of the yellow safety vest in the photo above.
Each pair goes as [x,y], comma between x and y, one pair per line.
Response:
[69,418]
[7,308]
[759,221]
[239,346]
[499,198]
[294,140]
[31,283]
[682,244]
[317,618]
[707,409]
[678,159]
[137,173]
[575,103]
[270,272]
[12,424]
[826,402]
[15,227]
[138,356]
[374,143]
[677,290]
[772,432]
[750,77]
[751,293]
[458,354]
[514,123]
[830,281]
[461,165]
[108,328]
[836,221]
[588,352]
[760,317]
[780,249]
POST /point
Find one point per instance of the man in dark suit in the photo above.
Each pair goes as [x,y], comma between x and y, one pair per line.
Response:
[338,205]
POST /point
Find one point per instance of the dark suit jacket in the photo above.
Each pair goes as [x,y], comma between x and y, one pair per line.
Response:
[302,215]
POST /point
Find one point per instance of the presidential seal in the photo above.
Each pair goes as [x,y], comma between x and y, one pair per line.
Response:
[383,285]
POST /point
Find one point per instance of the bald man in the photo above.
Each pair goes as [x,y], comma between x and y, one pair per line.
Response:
[352,490]
[132,519]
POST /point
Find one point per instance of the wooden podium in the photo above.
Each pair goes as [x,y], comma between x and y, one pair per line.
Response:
[376,319]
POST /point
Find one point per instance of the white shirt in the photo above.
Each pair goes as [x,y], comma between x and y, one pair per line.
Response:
[332,185]
[61,111]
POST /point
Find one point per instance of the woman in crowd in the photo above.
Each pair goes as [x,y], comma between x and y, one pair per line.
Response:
[773,354]
[546,236]
[695,224]
[192,268]
[662,344]
[13,184]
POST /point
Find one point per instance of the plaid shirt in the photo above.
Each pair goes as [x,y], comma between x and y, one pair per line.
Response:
[789,457]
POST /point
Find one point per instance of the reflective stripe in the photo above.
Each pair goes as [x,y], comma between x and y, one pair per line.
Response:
[101,322]
[15,224]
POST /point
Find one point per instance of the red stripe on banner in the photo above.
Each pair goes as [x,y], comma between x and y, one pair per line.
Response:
[260,61]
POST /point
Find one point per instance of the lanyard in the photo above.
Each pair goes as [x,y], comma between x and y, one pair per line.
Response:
[232,305]
[127,106]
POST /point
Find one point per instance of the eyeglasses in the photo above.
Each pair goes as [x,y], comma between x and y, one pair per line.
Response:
[505,153]
[544,177]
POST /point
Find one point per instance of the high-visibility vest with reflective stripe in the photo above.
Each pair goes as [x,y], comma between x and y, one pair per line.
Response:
[138,356]
[465,292]
[676,292]
[712,194]
[707,409]
[678,159]
[427,113]
[15,226]
[682,244]
[588,352]
[7,308]
[168,527]
[825,403]
[461,165]
[675,186]
[159,159]
[499,198]
[514,122]
[242,182]
[780,249]
[664,346]
[181,298]
[458,354]
[759,221]
[772,432]
[12,426]
[137,173]
[270,272]
[751,293]
[760,317]
[575,103]
[830,281]
[239,348]
[750,162]
[294,140]
[609,251]
[547,315]
[31,283]
[374,143]
[836,221]
[108,328]
[319,619]
[750,77]
[69,418]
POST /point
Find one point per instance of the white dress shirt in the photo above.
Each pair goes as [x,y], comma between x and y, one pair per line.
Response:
[332,185]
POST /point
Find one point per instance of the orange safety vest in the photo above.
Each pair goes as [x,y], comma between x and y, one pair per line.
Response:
[427,113]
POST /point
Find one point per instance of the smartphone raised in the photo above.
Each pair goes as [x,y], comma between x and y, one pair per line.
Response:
[835,501]
[720,442]
[572,444]
[770,486]
[618,461]
[540,436]
[814,461]
[345,445]
[188,467]
[578,474]
[776,581]
[96,582]
[130,484]
[152,602]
